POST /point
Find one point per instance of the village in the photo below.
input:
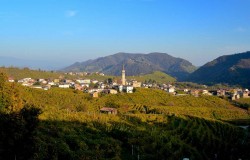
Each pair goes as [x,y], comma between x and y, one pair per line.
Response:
[122,85]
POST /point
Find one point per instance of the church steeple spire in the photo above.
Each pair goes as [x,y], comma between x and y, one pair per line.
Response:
[123,75]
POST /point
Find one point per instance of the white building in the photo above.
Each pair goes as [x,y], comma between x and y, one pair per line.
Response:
[86,81]
[129,89]
[171,89]
[64,86]
[136,84]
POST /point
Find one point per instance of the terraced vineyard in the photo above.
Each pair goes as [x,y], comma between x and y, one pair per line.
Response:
[150,124]
[146,136]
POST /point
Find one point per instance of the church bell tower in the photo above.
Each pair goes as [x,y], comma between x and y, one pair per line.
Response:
[123,76]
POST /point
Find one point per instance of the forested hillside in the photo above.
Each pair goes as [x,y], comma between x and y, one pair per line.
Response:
[231,69]
[136,64]
[150,124]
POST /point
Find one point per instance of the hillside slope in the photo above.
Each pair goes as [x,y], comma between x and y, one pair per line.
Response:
[157,76]
[232,69]
[136,64]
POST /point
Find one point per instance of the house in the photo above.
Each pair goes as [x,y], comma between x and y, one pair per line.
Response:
[94,81]
[40,80]
[195,92]
[78,87]
[85,85]
[64,86]
[37,87]
[68,81]
[113,91]
[136,84]
[129,89]
[27,81]
[52,83]
[11,79]
[171,89]
[56,80]
[80,81]
[94,94]
[86,81]
[27,84]
[44,82]
[47,87]
[94,90]
[108,110]
[206,92]
[235,96]
[103,86]
[30,80]
[245,94]
[221,92]
[120,88]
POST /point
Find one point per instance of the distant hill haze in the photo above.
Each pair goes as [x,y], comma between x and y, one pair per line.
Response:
[136,64]
[231,69]
[34,64]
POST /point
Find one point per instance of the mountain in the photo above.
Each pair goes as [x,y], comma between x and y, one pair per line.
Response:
[232,69]
[136,64]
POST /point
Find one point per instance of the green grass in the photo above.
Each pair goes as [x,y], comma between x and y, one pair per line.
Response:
[157,76]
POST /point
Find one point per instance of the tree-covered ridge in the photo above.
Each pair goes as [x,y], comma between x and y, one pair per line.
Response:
[150,124]
[136,64]
[232,69]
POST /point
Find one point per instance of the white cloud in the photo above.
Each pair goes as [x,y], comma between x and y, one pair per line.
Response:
[71,13]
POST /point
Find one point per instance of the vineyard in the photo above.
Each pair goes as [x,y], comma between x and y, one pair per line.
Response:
[150,124]
[147,136]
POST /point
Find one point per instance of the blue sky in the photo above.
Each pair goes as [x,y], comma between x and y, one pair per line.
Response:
[66,31]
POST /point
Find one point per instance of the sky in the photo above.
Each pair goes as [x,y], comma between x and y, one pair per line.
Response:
[67,31]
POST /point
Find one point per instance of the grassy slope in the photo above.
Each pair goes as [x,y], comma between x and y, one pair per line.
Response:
[244,100]
[158,76]
[18,73]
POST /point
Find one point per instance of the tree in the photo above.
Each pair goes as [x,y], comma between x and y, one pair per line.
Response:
[17,133]
[10,99]
[4,97]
